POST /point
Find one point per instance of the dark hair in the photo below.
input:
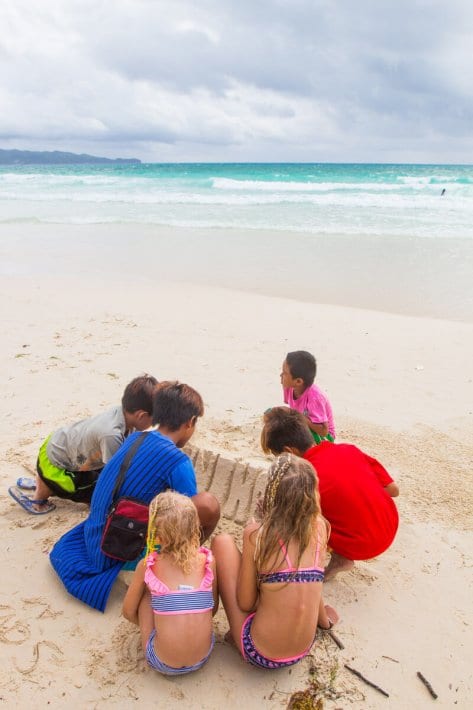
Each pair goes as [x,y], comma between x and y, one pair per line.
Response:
[139,394]
[302,364]
[285,427]
[175,404]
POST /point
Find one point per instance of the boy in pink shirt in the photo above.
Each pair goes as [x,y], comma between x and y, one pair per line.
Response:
[300,393]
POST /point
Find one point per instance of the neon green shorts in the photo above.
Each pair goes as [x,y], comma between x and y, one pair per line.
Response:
[318,439]
[74,485]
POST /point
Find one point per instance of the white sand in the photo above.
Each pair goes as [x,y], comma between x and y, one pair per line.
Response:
[401,388]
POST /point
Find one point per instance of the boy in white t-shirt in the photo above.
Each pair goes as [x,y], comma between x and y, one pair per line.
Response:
[300,393]
[72,457]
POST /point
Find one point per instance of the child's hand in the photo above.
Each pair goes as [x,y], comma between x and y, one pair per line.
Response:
[393,489]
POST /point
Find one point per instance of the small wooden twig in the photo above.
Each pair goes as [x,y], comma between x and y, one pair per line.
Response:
[365,680]
[427,685]
[335,639]
[28,468]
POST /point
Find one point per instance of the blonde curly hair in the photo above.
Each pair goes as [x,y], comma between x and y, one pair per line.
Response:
[174,529]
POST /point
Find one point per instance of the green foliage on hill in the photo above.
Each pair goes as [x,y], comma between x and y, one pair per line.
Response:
[56,157]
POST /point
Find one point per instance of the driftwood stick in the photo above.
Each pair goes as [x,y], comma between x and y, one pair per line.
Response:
[335,639]
[365,680]
[427,685]
[29,468]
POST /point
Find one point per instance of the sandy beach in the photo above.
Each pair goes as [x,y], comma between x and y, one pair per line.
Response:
[401,387]
[192,191]
[427,277]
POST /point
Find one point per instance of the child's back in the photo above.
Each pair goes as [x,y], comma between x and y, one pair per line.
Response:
[182,604]
[72,457]
[272,591]
[352,485]
[292,580]
[173,593]
[355,490]
[92,440]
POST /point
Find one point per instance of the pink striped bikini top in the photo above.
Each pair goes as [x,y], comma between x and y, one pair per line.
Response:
[184,600]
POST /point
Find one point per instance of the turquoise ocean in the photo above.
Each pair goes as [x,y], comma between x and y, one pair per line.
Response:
[396,200]
[391,237]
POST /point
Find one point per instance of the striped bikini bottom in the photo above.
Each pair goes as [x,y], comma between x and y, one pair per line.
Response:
[158,665]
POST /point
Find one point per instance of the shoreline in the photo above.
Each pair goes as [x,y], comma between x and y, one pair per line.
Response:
[424,277]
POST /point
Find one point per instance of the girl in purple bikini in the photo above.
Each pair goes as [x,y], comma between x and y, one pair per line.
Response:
[272,591]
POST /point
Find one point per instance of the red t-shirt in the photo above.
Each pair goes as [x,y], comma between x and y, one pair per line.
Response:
[362,515]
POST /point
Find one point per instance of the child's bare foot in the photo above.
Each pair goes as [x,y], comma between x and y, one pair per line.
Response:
[337,564]
[330,618]
[332,614]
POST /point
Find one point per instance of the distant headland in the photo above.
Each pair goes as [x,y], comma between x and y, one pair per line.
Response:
[57,157]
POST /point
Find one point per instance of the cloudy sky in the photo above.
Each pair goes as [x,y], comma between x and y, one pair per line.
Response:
[230,80]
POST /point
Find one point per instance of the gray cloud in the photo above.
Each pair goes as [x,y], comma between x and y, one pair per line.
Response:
[220,80]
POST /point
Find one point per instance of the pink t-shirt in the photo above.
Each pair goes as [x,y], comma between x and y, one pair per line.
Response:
[312,403]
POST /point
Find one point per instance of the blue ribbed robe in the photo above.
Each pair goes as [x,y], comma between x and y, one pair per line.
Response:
[158,465]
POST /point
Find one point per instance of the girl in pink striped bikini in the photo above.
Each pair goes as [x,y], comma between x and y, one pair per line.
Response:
[173,593]
[272,591]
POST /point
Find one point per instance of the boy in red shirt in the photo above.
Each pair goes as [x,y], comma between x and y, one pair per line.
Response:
[355,490]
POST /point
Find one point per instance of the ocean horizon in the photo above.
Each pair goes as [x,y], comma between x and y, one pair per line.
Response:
[314,198]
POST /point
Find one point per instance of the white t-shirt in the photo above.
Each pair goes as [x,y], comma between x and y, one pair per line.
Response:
[96,438]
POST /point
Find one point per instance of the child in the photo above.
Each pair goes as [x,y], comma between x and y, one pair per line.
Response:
[355,490]
[173,593]
[297,379]
[159,465]
[71,459]
[272,592]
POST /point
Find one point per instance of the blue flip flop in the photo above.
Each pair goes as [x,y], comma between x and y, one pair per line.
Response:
[26,483]
[28,503]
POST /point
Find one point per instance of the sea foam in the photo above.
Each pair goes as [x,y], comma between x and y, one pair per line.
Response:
[331,199]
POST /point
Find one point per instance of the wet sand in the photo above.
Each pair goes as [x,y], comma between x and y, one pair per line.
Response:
[428,277]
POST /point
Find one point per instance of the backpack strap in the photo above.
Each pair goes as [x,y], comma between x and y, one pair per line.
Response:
[126,464]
